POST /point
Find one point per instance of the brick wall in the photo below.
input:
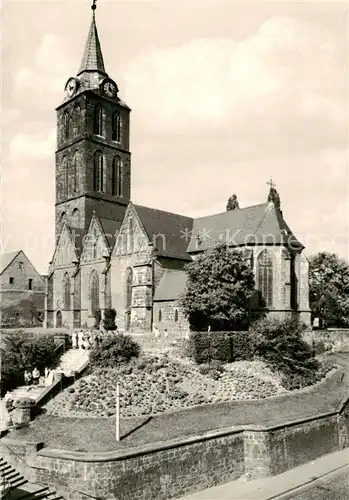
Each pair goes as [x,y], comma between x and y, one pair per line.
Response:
[174,322]
[338,338]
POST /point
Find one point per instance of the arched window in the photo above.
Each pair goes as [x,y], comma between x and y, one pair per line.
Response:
[94,247]
[65,176]
[74,176]
[176,315]
[98,172]
[94,292]
[66,292]
[131,241]
[116,130]
[62,217]
[97,123]
[265,277]
[160,316]
[129,281]
[75,218]
[76,120]
[117,177]
[66,123]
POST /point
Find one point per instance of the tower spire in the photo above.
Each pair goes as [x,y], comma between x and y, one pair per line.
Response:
[92,59]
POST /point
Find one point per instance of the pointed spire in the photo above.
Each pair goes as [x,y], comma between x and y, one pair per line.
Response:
[274,196]
[92,60]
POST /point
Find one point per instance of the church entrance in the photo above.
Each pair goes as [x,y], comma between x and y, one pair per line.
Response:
[59,319]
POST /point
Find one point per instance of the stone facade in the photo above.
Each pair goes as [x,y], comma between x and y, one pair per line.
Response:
[22,291]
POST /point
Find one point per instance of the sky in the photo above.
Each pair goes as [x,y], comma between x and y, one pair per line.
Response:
[224,96]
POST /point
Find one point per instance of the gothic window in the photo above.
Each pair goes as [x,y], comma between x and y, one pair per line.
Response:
[160,316]
[62,217]
[265,277]
[176,315]
[294,284]
[97,123]
[76,120]
[116,130]
[66,125]
[75,218]
[74,177]
[129,280]
[98,172]
[116,177]
[130,236]
[94,292]
[65,176]
[66,292]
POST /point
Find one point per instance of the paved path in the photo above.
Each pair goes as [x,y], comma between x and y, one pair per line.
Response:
[286,485]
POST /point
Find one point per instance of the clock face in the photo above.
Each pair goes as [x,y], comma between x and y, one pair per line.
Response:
[110,89]
[71,87]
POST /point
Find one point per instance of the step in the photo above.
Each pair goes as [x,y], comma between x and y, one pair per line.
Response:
[32,490]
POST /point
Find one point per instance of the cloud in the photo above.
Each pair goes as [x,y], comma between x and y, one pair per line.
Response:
[33,146]
[284,77]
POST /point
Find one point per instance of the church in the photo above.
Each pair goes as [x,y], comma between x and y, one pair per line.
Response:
[113,253]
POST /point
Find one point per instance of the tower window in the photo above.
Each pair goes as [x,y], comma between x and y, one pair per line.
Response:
[160,316]
[98,173]
[76,119]
[65,176]
[116,130]
[117,177]
[265,278]
[97,125]
[20,266]
[11,280]
[66,125]
[74,173]
[30,284]
[75,218]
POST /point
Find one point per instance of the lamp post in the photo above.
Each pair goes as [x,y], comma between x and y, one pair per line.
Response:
[117,413]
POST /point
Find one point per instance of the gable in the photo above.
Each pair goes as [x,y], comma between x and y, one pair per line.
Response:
[65,253]
[95,245]
[132,238]
[17,263]
[7,258]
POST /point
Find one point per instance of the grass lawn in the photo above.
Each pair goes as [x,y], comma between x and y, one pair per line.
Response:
[97,434]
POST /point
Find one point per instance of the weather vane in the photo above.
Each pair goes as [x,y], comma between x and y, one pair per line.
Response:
[94,6]
[271,183]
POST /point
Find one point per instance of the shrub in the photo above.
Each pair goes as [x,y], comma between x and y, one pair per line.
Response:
[98,317]
[242,347]
[109,319]
[200,347]
[22,351]
[113,350]
[281,345]
[221,347]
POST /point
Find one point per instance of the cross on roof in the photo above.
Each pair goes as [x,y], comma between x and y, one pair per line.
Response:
[271,183]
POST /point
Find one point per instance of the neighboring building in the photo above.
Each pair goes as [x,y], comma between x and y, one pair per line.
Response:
[22,292]
[113,253]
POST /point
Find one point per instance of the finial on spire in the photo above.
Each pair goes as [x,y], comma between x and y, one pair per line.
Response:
[94,6]
[271,183]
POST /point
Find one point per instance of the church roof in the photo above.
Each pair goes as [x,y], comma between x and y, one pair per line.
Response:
[111,229]
[92,59]
[6,259]
[171,286]
[258,224]
[168,231]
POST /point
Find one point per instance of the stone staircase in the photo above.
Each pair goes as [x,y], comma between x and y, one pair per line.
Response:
[73,360]
[13,486]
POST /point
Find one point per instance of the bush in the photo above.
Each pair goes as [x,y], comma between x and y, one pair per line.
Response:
[109,319]
[226,347]
[242,347]
[23,351]
[281,345]
[221,347]
[200,347]
[98,317]
[114,349]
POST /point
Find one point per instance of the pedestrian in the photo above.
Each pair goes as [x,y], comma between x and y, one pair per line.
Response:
[49,377]
[36,376]
[86,341]
[156,332]
[27,379]
[75,339]
[165,333]
[81,339]
[8,402]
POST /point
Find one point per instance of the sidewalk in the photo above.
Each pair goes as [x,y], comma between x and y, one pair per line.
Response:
[272,487]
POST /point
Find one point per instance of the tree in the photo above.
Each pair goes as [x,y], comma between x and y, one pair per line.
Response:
[220,287]
[109,319]
[329,289]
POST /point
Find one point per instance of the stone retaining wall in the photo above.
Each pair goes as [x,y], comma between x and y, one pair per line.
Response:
[337,338]
[166,470]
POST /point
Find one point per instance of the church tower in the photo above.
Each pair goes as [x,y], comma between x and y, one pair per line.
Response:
[93,169]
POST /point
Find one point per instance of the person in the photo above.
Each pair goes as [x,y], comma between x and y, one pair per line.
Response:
[36,376]
[86,340]
[27,379]
[81,339]
[74,339]
[8,402]
[156,332]
[165,333]
[48,377]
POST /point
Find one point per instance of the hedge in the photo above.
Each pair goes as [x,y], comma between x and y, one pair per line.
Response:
[205,347]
